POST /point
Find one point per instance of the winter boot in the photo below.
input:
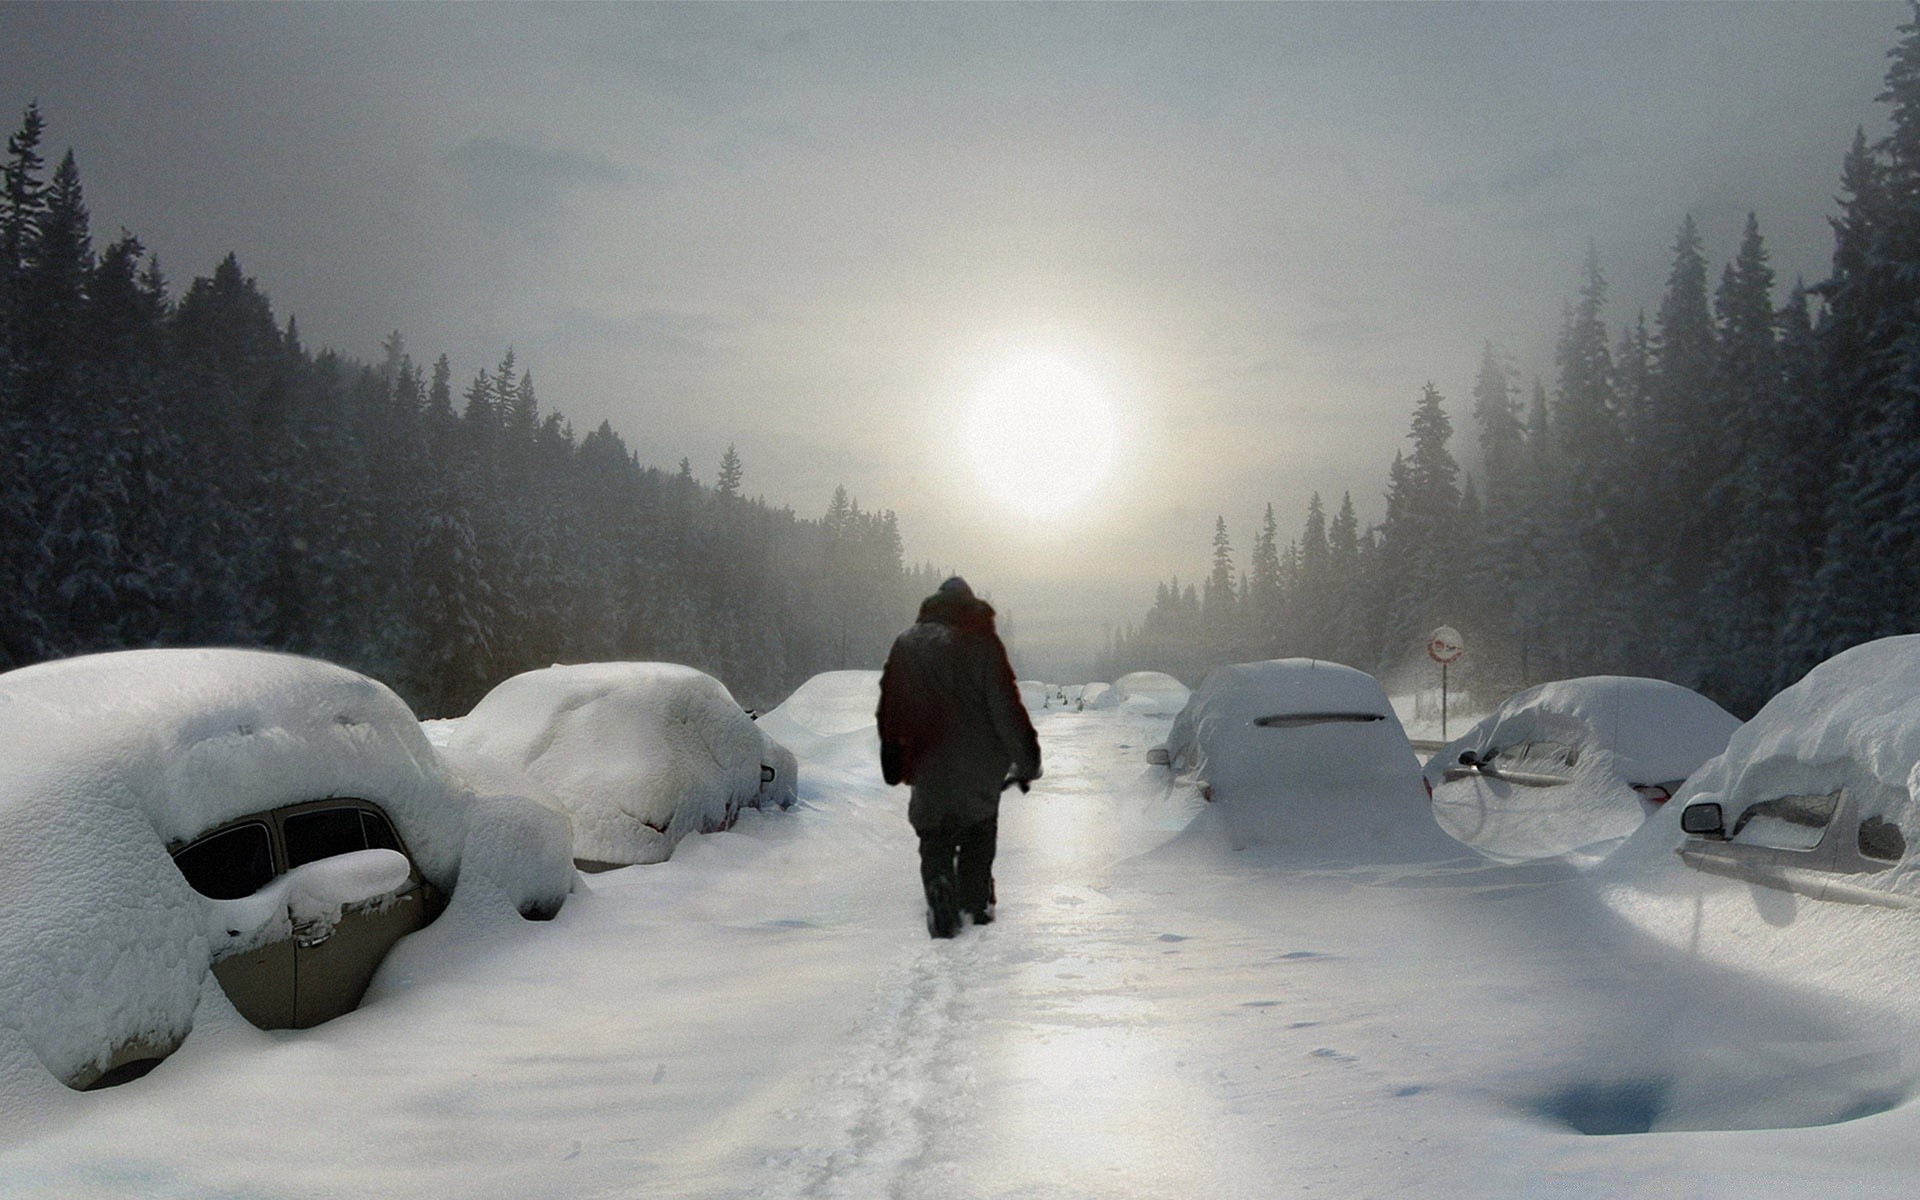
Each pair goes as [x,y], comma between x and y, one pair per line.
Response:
[943,914]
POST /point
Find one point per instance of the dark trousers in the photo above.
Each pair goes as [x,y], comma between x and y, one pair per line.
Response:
[963,856]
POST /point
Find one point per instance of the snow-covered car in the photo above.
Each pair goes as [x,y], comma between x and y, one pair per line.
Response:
[638,754]
[1573,767]
[1304,754]
[1816,794]
[831,708]
[1143,693]
[274,821]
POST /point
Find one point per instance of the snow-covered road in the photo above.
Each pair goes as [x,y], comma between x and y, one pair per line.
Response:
[1152,1016]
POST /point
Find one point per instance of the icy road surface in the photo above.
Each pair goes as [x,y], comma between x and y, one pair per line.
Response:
[1153,1015]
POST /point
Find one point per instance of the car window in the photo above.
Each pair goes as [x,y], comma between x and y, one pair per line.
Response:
[380,835]
[1538,756]
[230,864]
[1786,822]
[322,833]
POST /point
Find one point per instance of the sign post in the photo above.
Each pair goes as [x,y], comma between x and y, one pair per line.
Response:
[1445,647]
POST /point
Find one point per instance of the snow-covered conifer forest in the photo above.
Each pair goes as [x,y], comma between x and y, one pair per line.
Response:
[1721,492]
[180,469]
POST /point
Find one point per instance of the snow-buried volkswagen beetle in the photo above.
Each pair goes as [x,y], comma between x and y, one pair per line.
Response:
[1817,794]
[273,820]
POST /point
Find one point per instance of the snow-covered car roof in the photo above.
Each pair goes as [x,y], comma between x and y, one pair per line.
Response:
[1307,755]
[639,754]
[1562,761]
[1148,693]
[108,761]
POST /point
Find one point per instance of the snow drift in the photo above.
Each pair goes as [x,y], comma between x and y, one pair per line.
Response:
[1309,757]
[638,754]
[1571,767]
[112,759]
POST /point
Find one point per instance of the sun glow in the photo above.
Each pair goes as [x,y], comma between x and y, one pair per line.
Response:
[1041,434]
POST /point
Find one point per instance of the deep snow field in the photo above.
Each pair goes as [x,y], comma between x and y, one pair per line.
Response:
[1153,1015]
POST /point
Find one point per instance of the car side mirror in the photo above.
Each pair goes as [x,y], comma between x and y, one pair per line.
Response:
[1703,819]
[767,773]
[343,879]
[1159,757]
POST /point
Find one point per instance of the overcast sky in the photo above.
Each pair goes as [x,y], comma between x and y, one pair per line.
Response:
[808,231]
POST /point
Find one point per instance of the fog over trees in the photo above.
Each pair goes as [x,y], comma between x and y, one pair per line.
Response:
[182,470]
[1721,493]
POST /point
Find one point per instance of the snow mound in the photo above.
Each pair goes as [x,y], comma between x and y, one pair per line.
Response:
[1307,757]
[1090,693]
[1036,696]
[1143,693]
[1567,757]
[113,759]
[638,754]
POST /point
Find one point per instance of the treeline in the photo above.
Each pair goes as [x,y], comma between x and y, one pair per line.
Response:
[186,472]
[1722,494]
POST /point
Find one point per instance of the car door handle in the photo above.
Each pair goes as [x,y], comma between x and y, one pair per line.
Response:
[308,934]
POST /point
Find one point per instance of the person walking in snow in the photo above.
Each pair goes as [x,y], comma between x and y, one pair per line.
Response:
[953,728]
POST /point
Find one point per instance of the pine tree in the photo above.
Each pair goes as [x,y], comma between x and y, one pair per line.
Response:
[727,483]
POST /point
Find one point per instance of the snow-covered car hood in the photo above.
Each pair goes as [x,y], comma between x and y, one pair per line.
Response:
[1620,731]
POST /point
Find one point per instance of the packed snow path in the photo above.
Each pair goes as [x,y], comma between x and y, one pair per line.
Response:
[1152,1016]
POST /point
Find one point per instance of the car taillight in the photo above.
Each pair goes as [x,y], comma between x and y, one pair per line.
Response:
[1653,793]
[1429,783]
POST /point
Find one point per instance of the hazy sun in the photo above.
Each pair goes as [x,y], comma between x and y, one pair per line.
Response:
[1040,433]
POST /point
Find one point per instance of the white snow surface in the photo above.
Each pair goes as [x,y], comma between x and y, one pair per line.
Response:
[1338,789]
[638,754]
[1154,1016]
[1624,730]
[1143,693]
[835,709]
[108,760]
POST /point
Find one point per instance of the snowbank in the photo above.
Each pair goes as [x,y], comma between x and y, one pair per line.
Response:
[111,759]
[1143,693]
[638,754]
[1602,735]
[1308,757]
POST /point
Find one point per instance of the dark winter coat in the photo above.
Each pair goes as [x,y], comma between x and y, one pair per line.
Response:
[951,721]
